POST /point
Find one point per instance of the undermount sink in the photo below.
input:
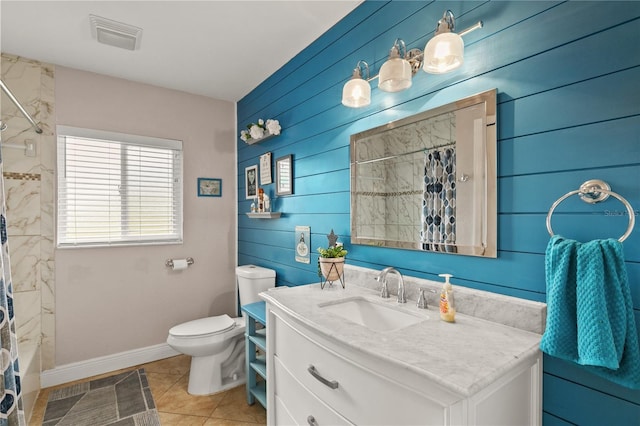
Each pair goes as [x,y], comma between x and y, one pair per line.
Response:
[372,315]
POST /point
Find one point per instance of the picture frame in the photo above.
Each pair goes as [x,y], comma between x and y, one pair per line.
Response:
[251,181]
[265,169]
[209,187]
[302,244]
[284,175]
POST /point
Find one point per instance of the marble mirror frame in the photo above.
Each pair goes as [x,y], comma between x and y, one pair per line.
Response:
[374,219]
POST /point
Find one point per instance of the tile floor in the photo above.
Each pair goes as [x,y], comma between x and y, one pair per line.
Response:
[168,379]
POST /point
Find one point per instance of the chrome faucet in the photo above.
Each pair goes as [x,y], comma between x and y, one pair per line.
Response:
[384,292]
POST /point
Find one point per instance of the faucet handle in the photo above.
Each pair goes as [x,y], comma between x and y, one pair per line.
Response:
[422,299]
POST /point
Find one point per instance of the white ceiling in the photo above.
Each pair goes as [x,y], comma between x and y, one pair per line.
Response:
[220,49]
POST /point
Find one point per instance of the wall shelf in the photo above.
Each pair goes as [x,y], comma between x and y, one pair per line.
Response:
[262,139]
[269,215]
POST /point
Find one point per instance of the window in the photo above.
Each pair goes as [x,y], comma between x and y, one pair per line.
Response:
[117,189]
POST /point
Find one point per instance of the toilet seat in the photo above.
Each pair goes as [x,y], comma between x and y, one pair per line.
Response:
[204,327]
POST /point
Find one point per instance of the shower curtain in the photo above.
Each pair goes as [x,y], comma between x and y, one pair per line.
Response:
[439,201]
[11,412]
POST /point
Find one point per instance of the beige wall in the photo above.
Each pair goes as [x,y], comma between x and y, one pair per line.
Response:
[110,300]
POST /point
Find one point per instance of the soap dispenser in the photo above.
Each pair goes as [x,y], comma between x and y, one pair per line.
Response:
[447,303]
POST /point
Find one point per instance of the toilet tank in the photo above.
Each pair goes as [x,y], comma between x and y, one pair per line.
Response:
[253,280]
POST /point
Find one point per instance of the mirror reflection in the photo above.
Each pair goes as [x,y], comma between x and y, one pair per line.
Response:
[428,182]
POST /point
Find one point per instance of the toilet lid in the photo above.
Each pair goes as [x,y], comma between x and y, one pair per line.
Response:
[199,327]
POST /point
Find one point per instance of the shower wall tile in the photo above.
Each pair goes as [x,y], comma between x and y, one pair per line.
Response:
[47,292]
[406,209]
[29,185]
[45,115]
[23,207]
[387,232]
[25,263]
[404,171]
[392,210]
[23,78]
[408,233]
[46,205]
[14,159]
[47,155]
[28,317]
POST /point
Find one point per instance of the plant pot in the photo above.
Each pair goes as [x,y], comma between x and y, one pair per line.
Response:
[332,267]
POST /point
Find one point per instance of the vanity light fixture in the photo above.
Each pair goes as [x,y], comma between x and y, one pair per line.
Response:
[445,51]
[356,92]
[442,54]
[395,74]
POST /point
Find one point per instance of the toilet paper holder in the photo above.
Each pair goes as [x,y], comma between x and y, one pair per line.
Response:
[169,262]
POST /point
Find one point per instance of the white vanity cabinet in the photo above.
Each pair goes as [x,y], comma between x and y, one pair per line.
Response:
[316,379]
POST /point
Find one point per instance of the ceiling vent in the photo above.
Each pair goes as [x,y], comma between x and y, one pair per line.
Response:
[115,33]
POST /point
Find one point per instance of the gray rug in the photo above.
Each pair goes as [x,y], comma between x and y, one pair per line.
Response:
[123,399]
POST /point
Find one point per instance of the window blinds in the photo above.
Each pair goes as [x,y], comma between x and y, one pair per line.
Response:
[116,189]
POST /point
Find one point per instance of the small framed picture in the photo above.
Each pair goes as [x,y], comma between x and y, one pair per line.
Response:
[265,169]
[209,187]
[284,175]
[251,181]
[302,243]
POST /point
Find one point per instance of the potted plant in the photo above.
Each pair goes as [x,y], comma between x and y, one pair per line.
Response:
[331,261]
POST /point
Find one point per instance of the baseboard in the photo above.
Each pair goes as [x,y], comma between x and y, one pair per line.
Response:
[92,367]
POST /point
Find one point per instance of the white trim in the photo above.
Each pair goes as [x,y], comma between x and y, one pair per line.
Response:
[92,367]
[104,135]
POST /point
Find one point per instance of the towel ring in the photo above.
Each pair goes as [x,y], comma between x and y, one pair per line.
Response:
[593,191]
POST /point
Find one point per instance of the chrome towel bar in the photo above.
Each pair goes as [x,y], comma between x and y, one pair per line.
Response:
[593,191]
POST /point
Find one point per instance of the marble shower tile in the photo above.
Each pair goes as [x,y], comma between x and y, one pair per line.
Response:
[404,171]
[25,262]
[443,130]
[391,210]
[47,99]
[47,204]
[15,160]
[31,203]
[23,207]
[47,289]
[28,318]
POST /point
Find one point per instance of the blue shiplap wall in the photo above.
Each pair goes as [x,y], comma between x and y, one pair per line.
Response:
[568,80]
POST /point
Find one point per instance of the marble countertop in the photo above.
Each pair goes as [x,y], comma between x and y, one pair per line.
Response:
[464,357]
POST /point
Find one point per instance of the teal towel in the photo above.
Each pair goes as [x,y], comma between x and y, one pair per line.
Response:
[590,317]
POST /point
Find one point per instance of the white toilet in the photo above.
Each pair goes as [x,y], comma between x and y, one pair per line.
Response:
[216,344]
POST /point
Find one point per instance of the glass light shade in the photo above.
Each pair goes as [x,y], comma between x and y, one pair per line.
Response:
[395,75]
[356,93]
[443,53]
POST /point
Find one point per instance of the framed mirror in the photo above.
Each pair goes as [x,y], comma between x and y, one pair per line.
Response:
[284,176]
[428,182]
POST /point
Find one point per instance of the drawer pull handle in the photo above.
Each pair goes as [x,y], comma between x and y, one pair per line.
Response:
[312,421]
[331,383]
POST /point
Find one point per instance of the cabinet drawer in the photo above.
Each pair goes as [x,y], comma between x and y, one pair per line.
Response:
[282,415]
[360,395]
[297,405]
